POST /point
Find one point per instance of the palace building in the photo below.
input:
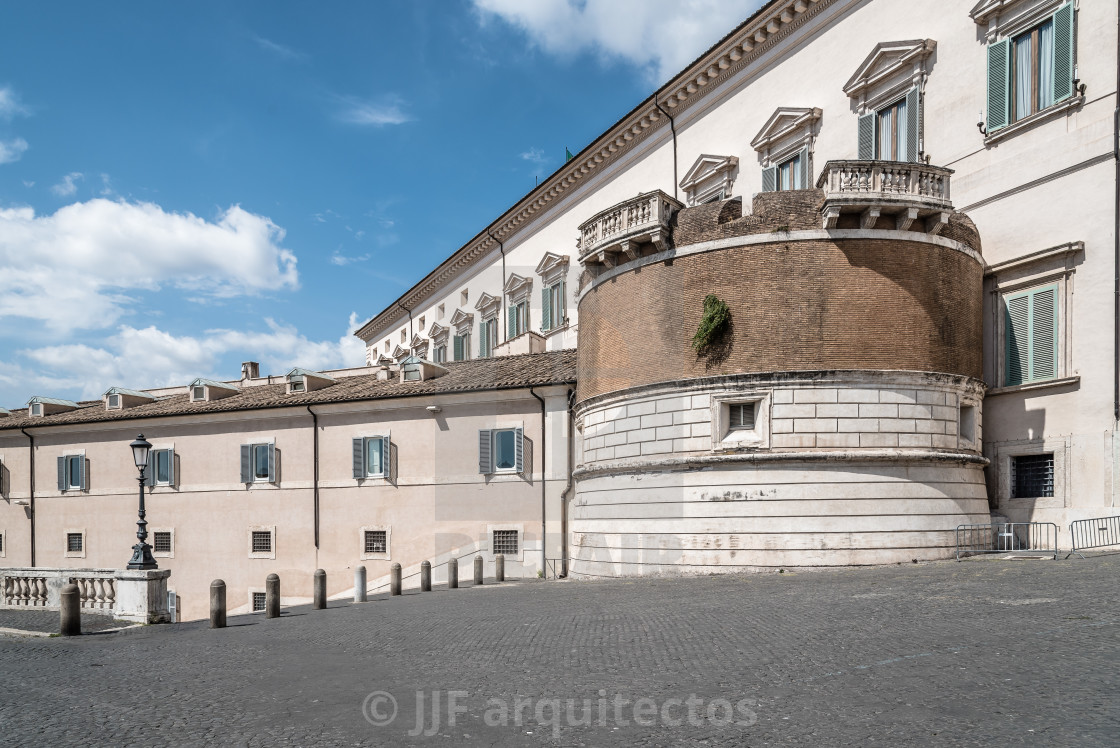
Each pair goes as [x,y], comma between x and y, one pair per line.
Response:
[846,282]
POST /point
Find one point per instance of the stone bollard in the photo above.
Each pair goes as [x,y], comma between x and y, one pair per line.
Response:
[425,576]
[500,567]
[453,574]
[70,612]
[320,590]
[395,579]
[217,604]
[272,596]
[478,569]
[360,584]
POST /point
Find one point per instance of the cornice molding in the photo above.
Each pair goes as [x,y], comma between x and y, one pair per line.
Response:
[758,35]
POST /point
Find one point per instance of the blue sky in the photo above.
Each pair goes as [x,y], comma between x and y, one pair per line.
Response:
[184,187]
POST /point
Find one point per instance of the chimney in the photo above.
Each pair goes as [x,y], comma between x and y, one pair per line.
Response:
[250,370]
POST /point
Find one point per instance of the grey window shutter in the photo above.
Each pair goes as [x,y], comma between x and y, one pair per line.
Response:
[803,168]
[62,485]
[359,451]
[458,348]
[770,179]
[83,473]
[561,304]
[999,85]
[546,308]
[171,467]
[528,467]
[150,470]
[866,126]
[246,463]
[1062,60]
[1044,333]
[272,463]
[485,465]
[389,458]
[519,450]
[913,118]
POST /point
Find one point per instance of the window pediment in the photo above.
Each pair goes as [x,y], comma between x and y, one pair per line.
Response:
[461,320]
[400,352]
[890,65]
[438,333]
[487,305]
[784,122]
[552,266]
[518,287]
[708,177]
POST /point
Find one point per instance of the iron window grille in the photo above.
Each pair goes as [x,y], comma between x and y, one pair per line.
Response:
[258,601]
[262,541]
[505,542]
[376,541]
[1032,476]
[74,542]
[161,542]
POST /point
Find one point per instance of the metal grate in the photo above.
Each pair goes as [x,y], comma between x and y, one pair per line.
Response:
[262,541]
[376,541]
[505,542]
[73,542]
[161,542]
[258,601]
[1032,476]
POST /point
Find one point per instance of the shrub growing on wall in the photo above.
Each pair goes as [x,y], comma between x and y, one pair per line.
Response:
[713,324]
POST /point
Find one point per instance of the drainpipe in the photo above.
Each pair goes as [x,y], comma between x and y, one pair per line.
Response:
[566,494]
[1116,240]
[544,482]
[673,127]
[315,478]
[31,502]
[402,306]
[502,321]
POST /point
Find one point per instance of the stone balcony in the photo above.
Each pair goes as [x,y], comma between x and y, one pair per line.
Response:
[627,229]
[915,195]
[124,594]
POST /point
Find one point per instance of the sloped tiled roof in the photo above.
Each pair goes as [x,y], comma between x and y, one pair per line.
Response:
[503,372]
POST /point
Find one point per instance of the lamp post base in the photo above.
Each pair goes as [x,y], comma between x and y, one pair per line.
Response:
[142,557]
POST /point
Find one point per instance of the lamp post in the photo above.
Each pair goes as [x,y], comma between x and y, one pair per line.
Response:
[141,552]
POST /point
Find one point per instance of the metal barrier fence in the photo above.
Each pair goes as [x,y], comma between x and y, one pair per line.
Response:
[1023,538]
[1093,533]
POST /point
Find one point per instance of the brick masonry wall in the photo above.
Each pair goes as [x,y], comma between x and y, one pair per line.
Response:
[818,305]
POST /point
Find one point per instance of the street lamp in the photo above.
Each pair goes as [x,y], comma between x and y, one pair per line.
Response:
[141,552]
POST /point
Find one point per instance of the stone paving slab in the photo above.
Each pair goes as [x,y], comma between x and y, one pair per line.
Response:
[1009,653]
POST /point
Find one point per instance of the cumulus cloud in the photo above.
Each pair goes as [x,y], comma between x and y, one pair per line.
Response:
[12,150]
[74,269]
[659,36]
[10,105]
[376,113]
[69,184]
[150,357]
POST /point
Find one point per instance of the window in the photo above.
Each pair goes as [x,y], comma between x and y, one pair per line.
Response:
[36,409]
[259,601]
[463,297]
[161,541]
[1032,476]
[966,423]
[440,311]
[421,322]
[372,457]
[501,450]
[553,311]
[75,542]
[1031,334]
[1031,70]
[891,131]
[114,401]
[1,545]
[741,416]
[72,473]
[297,383]
[518,319]
[462,347]
[504,542]
[740,420]
[198,393]
[259,463]
[439,354]
[374,541]
[488,337]
[262,541]
[161,467]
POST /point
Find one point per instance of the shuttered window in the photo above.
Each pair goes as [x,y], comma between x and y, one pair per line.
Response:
[487,338]
[372,457]
[741,416]
[161,468]
[1032,70]
[258,463]
[462,345]
[518,318]
[501,451]
[1031,331]
[72,473]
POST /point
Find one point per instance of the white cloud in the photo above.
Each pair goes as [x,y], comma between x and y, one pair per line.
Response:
[385,112]
[278,49]
[660,36]
[75,268]
[10,105]
[344,260]
[12,150]
[150,357]
[69,184]
[534,155]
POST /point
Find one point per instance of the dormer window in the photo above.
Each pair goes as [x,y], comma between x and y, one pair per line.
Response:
[114,401]
[296,384]
[119,398]
[38,407]
[36,410]
[198,393]
[204,390]
[302,380]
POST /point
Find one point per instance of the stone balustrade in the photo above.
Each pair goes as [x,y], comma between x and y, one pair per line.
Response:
[911,192]
[139,596]
[626,227]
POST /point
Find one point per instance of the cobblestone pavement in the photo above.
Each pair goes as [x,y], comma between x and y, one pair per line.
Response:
[47,621]
[984,652]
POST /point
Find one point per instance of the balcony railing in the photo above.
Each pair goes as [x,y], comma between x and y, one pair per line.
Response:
[908,191]
[139,596]
[626,226]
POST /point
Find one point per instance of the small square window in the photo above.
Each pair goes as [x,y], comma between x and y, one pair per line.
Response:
[741,416]
[114,401]
[259,601]
[198,393]
[161,541]
[505,542]
[463,297]
[966,423]
[75,542]
[1032,476]
[375,541]
[36,409]
[440,312]
[296,384]
[262,541]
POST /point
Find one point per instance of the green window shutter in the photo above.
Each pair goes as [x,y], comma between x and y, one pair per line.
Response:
[546,309]
[511,322]
[1062,59]
[519,450]
[866,146]
[246,463]
[913,118]
[271,463]
[62,485]
[485,466]
[1018,339]
[770,179]
[803,169]
[1044,333]
[999,85]
[458,347]
[358,453]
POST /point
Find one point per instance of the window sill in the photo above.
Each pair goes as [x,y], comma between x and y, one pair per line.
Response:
[552,331]
[1063,382]
[1023,124]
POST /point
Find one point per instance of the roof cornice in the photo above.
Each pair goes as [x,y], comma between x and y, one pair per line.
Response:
[756,36]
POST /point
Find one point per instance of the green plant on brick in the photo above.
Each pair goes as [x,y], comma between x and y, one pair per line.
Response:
[713,324]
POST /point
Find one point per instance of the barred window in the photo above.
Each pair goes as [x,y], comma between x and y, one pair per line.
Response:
[1032,476]
[258,601]
[74,542]
[262,541]
[161,542]
[376,541]
[505,542]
